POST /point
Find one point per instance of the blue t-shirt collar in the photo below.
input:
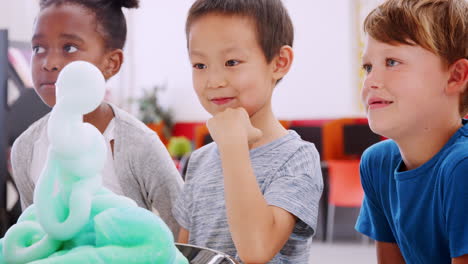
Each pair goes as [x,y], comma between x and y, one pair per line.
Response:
[408,174]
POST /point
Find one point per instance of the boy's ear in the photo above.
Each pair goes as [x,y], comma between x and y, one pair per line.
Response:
[458,78]
[113,62]
[282,62]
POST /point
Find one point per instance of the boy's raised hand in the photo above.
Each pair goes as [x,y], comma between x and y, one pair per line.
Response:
[233,126]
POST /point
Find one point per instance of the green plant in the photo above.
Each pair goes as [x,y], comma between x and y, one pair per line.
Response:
[179,146]
[150,111]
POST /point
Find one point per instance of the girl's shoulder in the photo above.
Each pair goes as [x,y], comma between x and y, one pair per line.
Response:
[21,151]
[30,135]
[134,134]
[129,126]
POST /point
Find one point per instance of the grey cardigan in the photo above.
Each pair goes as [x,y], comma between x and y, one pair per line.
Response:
[145,170]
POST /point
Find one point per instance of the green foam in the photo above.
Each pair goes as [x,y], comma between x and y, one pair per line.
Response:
[73,218]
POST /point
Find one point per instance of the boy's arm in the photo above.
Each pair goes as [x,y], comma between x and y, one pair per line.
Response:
[183,236]
[388,253]
[258,230]
[460,260]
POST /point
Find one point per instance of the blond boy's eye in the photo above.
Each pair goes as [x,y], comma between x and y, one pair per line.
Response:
[367,68]
[392,62]
[38,49]
[199,66]
[231,63]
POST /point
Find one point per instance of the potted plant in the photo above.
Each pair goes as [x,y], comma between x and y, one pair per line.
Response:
[154,115]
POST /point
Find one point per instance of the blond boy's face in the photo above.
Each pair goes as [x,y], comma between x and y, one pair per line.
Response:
[403,88]
[229,68]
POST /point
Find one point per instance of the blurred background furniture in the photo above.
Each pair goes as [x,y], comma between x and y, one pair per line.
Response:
[202,136]
[345,189]
[344,141]
[15,117]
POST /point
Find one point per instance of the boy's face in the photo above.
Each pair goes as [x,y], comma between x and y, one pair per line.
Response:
[229,67]
[62,34]
[403,88]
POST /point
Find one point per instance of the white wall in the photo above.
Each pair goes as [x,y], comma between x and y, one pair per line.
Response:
[321,84]
[160,55]
[18,16]
[323,81]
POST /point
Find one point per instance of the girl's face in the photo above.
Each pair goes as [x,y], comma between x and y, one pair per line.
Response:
[62,34]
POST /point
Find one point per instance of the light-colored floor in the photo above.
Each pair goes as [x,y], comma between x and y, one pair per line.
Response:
[342,253]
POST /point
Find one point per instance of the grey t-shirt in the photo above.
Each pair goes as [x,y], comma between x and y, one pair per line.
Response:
[289,175]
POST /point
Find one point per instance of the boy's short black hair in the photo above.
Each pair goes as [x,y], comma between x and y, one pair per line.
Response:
[273,24]
[109,17]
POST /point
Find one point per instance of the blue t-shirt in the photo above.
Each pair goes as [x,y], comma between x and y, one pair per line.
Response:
[425,210]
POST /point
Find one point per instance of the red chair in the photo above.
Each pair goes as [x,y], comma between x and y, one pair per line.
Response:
[201,132]
[345,189]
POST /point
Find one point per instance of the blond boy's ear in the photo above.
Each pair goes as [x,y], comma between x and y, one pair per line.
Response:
[458,78]
[112,64]
[282,62]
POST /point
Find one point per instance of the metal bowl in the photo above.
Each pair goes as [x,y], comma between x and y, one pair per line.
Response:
[200,255]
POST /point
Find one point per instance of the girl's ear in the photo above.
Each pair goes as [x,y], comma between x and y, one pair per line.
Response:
[458,78]
[113,62]
[282,62]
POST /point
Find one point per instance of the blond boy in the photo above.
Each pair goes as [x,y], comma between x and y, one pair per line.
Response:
[415,91]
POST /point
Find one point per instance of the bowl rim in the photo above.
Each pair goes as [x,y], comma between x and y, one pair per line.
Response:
[209,249]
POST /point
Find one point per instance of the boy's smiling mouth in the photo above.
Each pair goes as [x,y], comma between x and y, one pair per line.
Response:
[377,102]
[222,100]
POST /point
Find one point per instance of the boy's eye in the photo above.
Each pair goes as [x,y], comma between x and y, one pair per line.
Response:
[231,63]
[391,62]
[38,49]
[70,49]
[367,68]
[199,66]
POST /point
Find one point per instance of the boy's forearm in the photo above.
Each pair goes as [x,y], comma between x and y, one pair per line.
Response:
[251,220]
[388,253]
[460,260]
[183,236]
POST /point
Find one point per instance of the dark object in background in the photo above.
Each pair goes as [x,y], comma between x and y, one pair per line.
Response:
[311,134]
[14,120]
[25,111]
[207,139]
[357,138]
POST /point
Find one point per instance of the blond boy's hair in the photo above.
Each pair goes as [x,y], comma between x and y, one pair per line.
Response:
[440,26]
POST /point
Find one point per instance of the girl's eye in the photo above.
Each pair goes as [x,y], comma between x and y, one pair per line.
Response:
[199,66]
[367,68]
[231,63]
[392,62]
[70,49]
[38,49]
